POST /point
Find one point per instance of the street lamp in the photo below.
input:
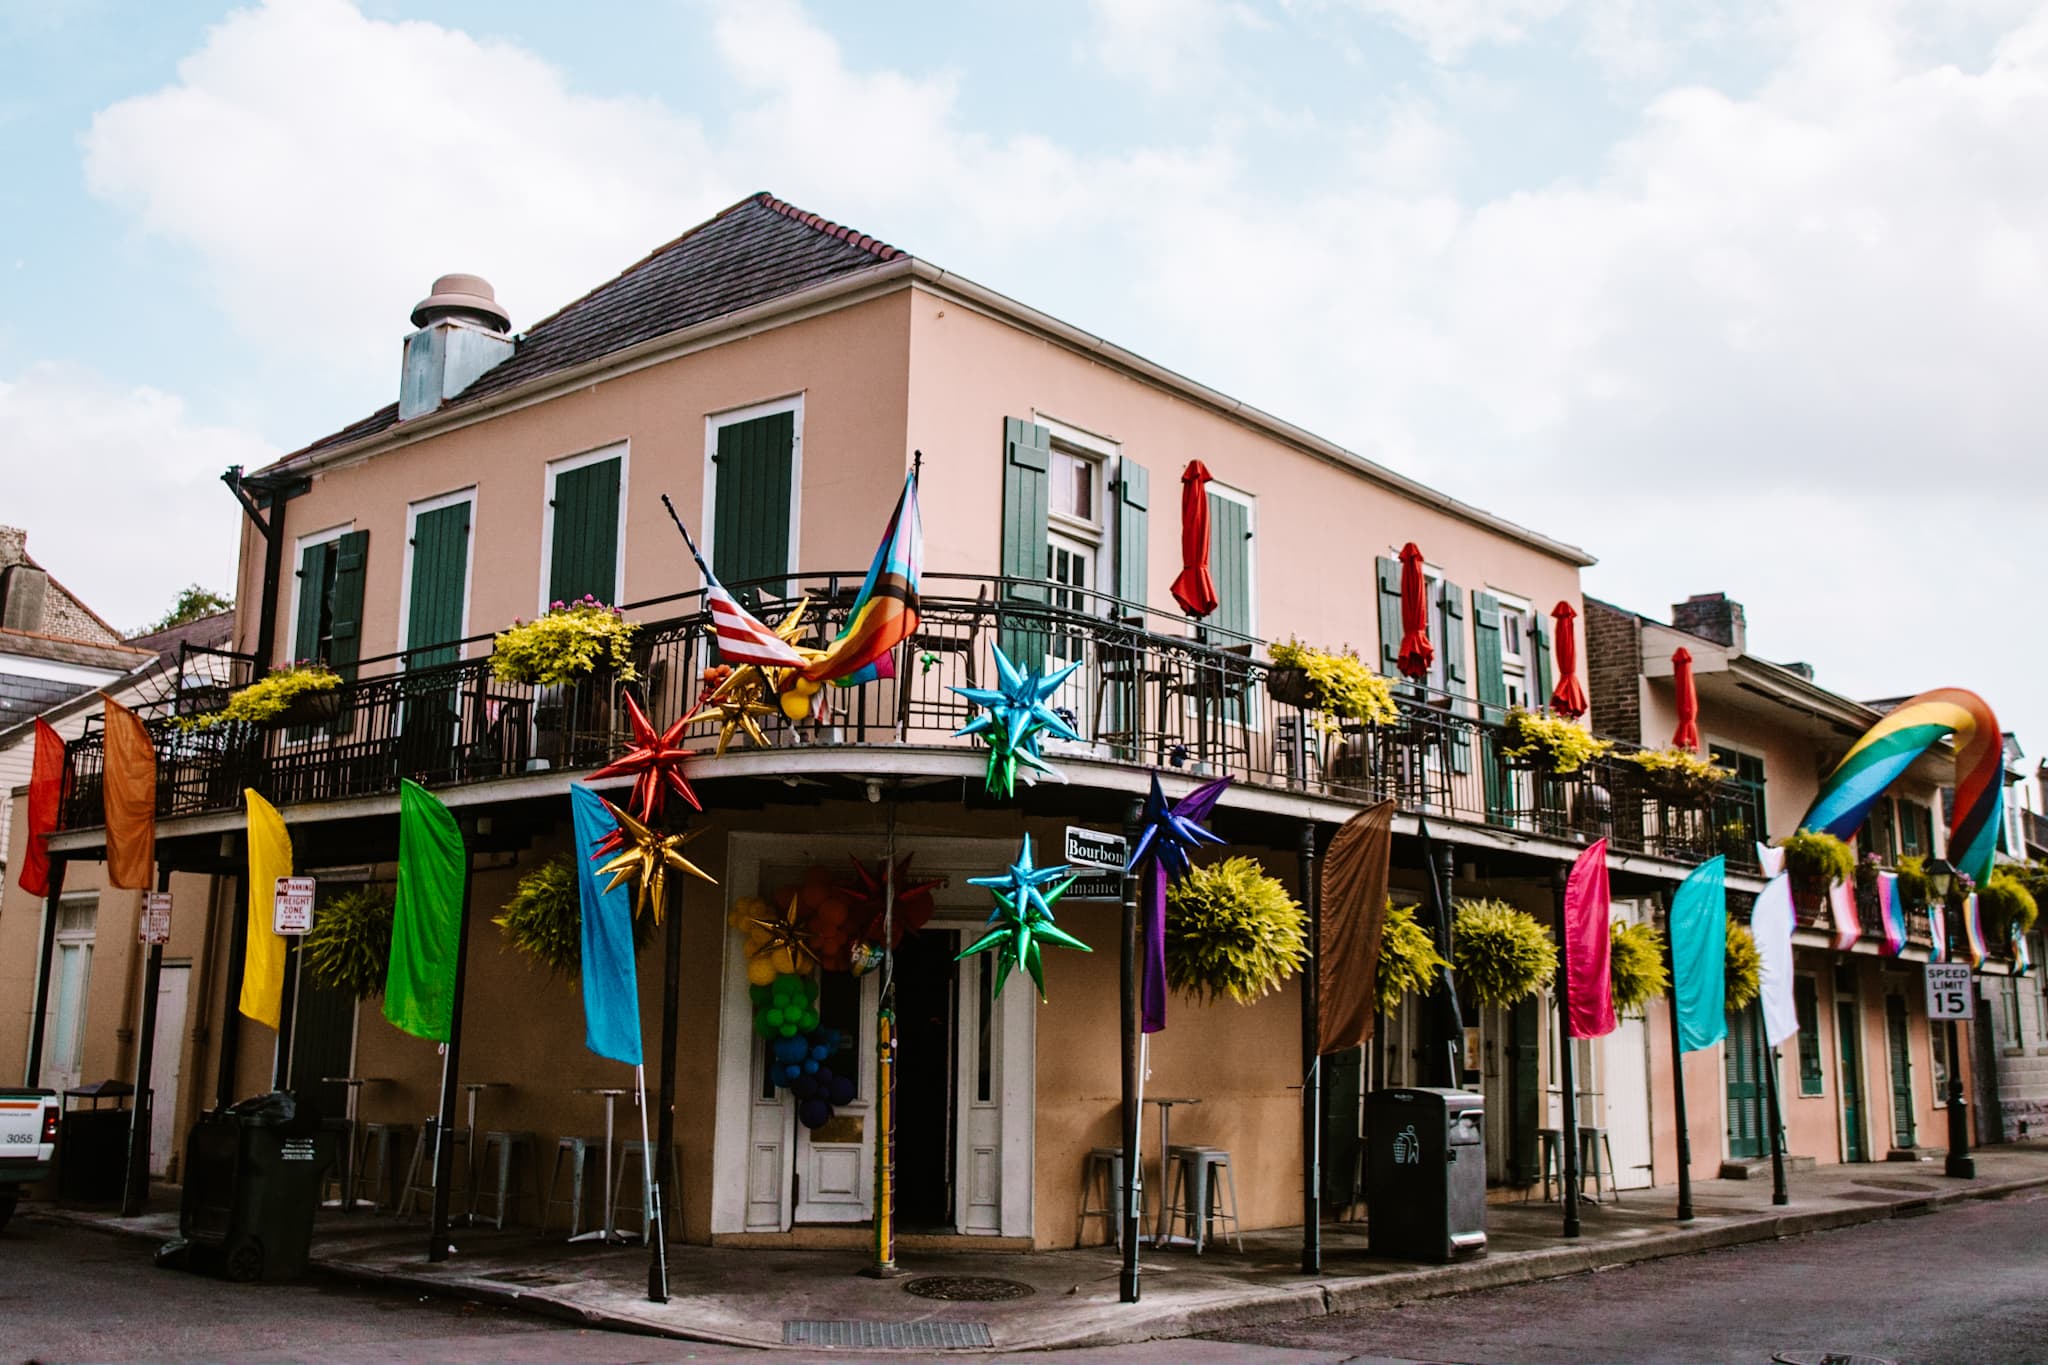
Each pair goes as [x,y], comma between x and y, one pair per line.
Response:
[1940,880]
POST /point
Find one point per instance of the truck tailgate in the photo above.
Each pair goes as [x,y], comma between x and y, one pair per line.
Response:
[27,1133]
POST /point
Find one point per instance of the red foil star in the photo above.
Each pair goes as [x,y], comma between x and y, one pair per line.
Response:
[913,900]
[655,763]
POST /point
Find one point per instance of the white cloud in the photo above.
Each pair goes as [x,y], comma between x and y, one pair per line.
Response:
[1448,29]
[119,489]
[1165,46]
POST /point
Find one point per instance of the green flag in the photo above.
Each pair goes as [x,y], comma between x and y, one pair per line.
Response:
[426,927]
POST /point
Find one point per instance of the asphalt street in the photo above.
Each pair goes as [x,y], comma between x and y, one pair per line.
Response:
[1966,1284]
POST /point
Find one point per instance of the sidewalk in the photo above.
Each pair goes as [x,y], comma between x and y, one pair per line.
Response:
[746,1297]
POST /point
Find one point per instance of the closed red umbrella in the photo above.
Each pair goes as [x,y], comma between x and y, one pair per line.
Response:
[1194,589]
[1568,698]
[1687,736]
[1416,651]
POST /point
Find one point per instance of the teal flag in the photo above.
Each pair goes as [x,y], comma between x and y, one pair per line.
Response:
[611,990]
[426,925]
[1699,952]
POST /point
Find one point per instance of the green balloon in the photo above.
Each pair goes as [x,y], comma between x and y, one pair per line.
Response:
[773,1016]
[758,994]
[761,1026]
[789,1030]
[810,1021]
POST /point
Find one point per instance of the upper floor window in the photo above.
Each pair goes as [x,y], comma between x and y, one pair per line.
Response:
[1076,484]
[750,500]
[585,527]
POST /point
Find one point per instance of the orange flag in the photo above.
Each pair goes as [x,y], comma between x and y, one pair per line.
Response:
[129,798]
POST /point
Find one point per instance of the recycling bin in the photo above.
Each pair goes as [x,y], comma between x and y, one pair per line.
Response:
[92,1157]
[1425,1173]
[253,1177]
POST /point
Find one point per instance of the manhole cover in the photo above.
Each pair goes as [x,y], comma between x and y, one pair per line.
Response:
[929,1334]
[1828,1358]
[967,1288]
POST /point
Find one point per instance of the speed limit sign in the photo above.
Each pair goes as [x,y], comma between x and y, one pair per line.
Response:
[1948,991]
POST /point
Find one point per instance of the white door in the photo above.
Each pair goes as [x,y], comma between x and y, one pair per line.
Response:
[164,1059]
[70,987]
[1625,1075]
[836,1163]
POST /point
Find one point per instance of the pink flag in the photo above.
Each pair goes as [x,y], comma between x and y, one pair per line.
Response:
[1587,908]
[1848,924]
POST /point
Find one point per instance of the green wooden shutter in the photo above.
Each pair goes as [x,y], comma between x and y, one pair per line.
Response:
[1027,462]
[1390,615]
[756,464]
[1230,566]
[345,625]
[1134,489]
[1493,697]
[440,565]
[1539,644]
[584,556]
[1525,1094]
[1457,667]
[316,563]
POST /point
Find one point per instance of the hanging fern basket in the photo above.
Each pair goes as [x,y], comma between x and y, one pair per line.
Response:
[1744,966]
[543,919]
[349,946]
[1409,963]
[1635,967]
[1232,932]
[1501,952]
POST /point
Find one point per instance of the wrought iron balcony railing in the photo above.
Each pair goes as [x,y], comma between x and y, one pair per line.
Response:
[1151,691]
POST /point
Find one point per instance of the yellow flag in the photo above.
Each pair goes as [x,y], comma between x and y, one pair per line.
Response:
[270,857]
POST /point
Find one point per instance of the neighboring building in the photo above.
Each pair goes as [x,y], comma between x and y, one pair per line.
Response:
[2017,1036]
[1865,1078]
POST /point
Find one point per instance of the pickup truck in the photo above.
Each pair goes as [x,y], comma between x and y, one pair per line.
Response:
[28,1140]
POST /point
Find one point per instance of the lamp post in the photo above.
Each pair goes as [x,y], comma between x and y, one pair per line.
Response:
[1940,879]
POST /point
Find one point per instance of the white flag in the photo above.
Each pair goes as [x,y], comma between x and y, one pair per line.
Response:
[1771,925]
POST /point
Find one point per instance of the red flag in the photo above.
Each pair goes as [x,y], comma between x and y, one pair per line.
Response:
[1413,658]
[45,795]
[128,794]
[1194,589]
[1568,698]
[1587,908]
[1687,693]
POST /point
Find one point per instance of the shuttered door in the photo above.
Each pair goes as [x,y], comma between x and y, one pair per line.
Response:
[1134,489]
[1745,1084]
[1390,615]
[1539,645]
[1491,677]
[1457,663]
[1525,1096]
[1027,461]
[583,557]
[1898,1046]
[345,602]
[440,570]
[756,472]
[1230,567]
[316,582]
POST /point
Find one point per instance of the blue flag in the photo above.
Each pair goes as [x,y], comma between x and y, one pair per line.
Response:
[1699,956]
[611,992]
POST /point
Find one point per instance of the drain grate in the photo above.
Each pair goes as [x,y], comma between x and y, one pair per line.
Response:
[1828,1358]
[967,1288]
[887,1335]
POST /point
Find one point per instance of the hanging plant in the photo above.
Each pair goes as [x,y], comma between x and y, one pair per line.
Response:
[302,693]
[1816,860]
[569,643]
[1549,744]
[1744,966]
[1232,931]
[349,945]
[1337,687]
[1501,952]
[1635,966]
[1409,962]
[2007,906]
[1678,774]
[1914,888]
[543,918]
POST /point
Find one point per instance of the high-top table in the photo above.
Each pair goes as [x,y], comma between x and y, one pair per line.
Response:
[607,1234]
[1166,1103]
[349,1183]
[475,1139]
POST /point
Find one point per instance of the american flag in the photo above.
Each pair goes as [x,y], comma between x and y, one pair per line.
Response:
[743,638]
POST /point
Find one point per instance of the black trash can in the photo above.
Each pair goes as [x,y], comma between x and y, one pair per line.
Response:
[92,1155]
[1425,1173]
[253,1177]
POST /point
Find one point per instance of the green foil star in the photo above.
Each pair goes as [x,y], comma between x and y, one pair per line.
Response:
[1014,715]
[1022,919]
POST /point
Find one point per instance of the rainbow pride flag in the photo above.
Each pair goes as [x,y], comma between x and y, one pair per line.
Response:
[886,611]
[1848,924]
[1891,913]
[1973,931]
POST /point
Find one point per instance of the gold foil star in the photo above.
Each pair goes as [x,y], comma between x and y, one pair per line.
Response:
[785,942]
[738,703]
[648,858]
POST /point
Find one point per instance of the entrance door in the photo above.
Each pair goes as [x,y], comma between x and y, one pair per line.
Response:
[323,1044]
[1745,1083]
[70,985]
[165,1055]
[835,1163]
[1850,1078]
[926,1009]
[1625,1071]
[1898,1044]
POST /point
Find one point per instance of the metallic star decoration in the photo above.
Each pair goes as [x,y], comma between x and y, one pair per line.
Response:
[782,934]
[1170,833]
[648,858]
[1022,919]
[655,762]
[1015,715]
[738,702]
[912,898]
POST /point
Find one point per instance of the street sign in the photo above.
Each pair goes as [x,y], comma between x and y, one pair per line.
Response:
[1948,991]
[292,912]
[155,924]
[1107,887]
[1093,848]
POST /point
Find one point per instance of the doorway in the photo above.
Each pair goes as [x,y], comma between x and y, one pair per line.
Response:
[927,1012]
[166,1055]
[1849,1047]
[1898,1044]
[1745,1083]
[323,1043]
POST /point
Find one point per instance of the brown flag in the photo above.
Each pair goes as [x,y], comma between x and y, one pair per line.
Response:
[1354,911]
[129,797]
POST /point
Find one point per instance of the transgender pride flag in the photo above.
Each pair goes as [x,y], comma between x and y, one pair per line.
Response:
[1848,924]
[1973,931]
[1891,913]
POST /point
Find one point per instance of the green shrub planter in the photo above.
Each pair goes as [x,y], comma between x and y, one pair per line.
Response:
[1232,931]
[1745,966]
[1635,966]
[1409,963]
[1502,953]
[349,946]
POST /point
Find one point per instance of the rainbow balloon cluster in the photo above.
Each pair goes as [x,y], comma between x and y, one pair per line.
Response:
[1889,747]
[800,1049]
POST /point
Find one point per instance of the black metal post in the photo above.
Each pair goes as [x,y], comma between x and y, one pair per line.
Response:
[665,1084]
[44,957]
[287,1009]
[1311,1063]
[1568,1159]
[1779,1195]
[231,990]
[1685,1211]
[1133,1192]
[1960,1163]
[1448,1016]
[135,1187]
[451,1069]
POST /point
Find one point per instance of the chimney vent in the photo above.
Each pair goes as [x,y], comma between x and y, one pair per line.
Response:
[1711,616]
[24,596]
[462,333]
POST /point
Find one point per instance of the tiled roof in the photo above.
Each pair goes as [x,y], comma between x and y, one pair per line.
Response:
[759,249]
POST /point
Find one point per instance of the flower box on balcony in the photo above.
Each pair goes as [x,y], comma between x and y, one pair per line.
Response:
[309,708]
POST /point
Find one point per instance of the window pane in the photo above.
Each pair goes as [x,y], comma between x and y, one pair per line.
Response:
[1805,1001]
[839,1008]
[984,1042]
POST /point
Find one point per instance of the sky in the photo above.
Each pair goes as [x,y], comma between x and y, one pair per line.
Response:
[1739,296]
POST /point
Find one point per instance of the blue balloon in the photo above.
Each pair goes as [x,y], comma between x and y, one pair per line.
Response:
[841,1090]
[810,1068]
[804,1087]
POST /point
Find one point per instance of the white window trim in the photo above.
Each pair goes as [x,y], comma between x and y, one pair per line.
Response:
[413,513]
[299,548]
[1524,608]
[1108,455]
[707,525]
[617,450]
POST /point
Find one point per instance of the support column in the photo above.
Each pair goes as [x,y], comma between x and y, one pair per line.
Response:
[1311,1064]
[1685,1211]
[45,955]
[1133,1193]
[451,1070]
[665,1084]
[1449,1052]
[1959,1163]
[1779,1195]
[1568,1159]
[135,1187]
[231,987]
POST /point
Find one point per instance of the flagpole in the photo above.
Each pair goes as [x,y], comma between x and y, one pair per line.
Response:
[1685,1213]
[657,1268]
[1568,1159]
[885,1070]
[905,677]
[451,1061]
[1779,1195]
[135,1187]
[1131,1198]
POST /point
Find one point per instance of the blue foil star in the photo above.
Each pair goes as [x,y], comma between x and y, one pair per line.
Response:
[1014,715]
[1023,918]
[1170,832]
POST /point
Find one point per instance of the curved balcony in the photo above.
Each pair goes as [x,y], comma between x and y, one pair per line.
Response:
[1152,690]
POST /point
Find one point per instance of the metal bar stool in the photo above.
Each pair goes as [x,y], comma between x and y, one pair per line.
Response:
[643,1152]
[424,1158]
[1593,1145]
[1550,1143]
[383,1142]
[580,1151]
[1105,1172]
[1201,1178]
[513,1148]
